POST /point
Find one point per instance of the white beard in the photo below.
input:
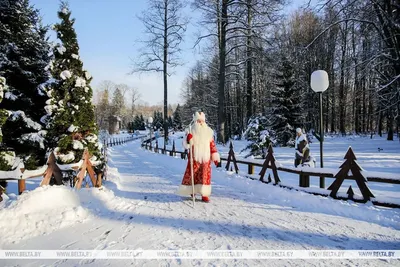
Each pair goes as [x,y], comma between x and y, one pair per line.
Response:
[202,136]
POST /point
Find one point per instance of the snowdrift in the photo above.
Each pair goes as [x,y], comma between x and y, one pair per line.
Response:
[39,212]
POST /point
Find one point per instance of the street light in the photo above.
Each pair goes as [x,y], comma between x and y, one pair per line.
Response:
[319,83]
[150,121]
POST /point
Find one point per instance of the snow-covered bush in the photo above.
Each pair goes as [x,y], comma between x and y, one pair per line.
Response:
[259,135]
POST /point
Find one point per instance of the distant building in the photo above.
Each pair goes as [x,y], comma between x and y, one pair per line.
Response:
[114,124]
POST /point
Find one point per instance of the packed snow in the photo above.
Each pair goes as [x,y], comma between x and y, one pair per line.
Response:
[72,128]
[88,76]
[34,137]
[137,208]
[66,74]
[15,115]
[80,82]
[61,49]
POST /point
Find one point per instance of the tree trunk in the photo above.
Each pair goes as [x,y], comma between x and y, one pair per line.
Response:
[249,63]
[390,125]
[342,98]
[221,76]
[165,72]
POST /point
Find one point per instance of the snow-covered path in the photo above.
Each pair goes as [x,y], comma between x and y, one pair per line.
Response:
[137,209]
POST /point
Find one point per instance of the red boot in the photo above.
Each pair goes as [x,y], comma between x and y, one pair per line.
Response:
[205,199]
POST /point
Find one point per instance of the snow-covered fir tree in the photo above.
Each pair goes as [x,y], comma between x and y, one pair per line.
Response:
[6,157]
[259,135]
[286,101]
[24,56]
[118,103]
[158,120]
[71,125]
[142,125]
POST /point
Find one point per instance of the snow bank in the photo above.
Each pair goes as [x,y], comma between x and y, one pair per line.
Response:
[40,212]
[303,201]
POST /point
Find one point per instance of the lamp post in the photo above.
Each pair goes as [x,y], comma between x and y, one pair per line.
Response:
[150,121]
[319,83]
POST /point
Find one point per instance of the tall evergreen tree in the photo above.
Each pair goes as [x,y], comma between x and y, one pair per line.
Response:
[118,103]
[24,55]
[72,125]
[158,121]
[103,110]
[286,101]
[137,123]
[6,157]
[177,123]
[143,124]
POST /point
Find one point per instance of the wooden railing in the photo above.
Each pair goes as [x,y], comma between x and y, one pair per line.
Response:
[55,171]
[349,170]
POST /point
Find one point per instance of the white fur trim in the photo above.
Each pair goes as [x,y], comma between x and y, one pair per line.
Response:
[199,116]
[187,190]
[215,157]
[185,144]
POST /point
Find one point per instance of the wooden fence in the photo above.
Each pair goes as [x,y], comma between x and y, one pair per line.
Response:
[58,172]
[349,170]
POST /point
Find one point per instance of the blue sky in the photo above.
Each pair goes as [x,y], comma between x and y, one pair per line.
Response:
[107,32]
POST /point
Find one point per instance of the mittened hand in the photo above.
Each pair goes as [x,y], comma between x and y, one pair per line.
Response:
[216,163]
[189,136]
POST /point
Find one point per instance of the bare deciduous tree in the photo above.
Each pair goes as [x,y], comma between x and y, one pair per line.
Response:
[164,27]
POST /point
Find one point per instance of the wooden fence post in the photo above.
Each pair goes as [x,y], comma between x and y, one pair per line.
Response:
[270,162]
[2,190]
[52,171]
[350,164]
[231,157]
[82,172]
[304,180]
[250,169]
[21,186]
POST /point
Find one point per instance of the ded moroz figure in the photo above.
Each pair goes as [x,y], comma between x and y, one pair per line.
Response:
[302,155]
[201,138]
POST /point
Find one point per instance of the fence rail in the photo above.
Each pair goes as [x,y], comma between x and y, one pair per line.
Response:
[349,170]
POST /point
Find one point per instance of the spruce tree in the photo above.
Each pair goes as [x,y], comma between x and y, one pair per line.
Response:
[6,157]
[103,110]
[177,123]
[118,103]
[24,57]
[259,135]
[71,125]
[142,123]
[158,120]
[286,101]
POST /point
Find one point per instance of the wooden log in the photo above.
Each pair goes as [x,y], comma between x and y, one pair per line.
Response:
[21,186]
[49,171]
[99,180]
[250,168]
[91,172]
[82,173]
